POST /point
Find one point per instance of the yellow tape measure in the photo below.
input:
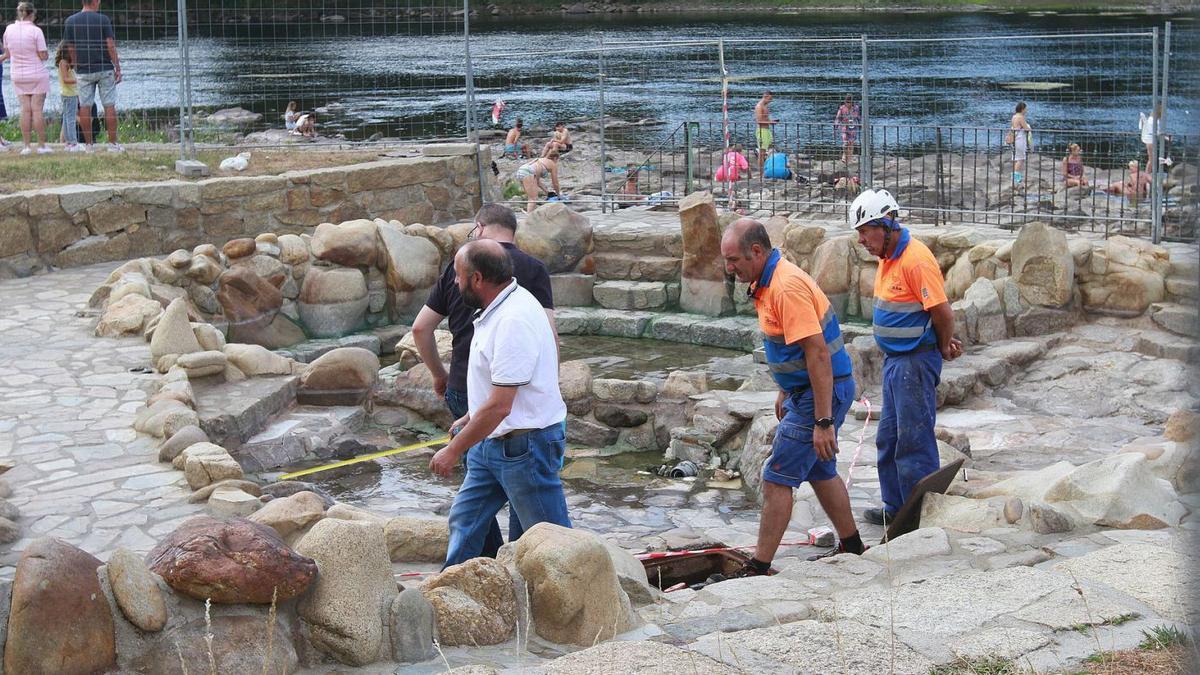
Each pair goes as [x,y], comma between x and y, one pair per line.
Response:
[364,458]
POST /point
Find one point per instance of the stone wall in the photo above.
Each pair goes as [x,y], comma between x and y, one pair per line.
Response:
[81,224]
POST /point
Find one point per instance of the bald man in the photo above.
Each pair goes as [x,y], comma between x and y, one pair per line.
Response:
[513,426]
[803,342]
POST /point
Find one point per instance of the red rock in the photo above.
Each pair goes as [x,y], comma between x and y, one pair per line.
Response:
[61,622]
[230,562]
[251,305]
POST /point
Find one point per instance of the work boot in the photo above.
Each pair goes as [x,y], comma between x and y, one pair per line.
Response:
[751,568]
[877,517]
[836,550]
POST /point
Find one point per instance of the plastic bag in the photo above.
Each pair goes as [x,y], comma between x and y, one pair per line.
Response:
[236,163]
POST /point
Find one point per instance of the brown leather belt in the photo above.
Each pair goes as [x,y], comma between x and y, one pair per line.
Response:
[514,433]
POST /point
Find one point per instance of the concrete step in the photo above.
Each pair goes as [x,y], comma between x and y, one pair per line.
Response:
[1176,318]
[637,295]
[1183,288]
[620,265]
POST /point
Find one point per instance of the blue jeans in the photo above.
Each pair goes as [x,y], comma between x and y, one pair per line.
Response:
[793,458]
[522,471]
[70,125]
[456,401]
[905,438]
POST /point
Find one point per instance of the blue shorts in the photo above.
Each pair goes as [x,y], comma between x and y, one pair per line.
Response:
[793,458]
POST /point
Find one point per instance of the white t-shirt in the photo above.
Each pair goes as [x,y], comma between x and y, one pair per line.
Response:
[514,346]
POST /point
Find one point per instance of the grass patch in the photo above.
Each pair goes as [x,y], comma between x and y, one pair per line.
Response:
[39,171]
[130,129]
[984,665]
[1163,637]
[1113,621]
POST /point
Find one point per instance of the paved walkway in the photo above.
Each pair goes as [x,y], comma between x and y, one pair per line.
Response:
[67,402]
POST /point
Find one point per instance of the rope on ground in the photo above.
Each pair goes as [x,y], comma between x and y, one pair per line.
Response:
[862,435]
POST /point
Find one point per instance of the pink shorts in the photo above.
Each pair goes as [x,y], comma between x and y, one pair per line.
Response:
[32,87]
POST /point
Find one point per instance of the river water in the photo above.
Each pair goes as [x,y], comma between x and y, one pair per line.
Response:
[367,77]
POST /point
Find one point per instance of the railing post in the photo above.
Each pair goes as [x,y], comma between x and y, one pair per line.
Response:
[938,181]
[864,160]
[689,165]
[724,120]
[603,140]
[181,8]
[472,132]
[1160,135]
[1155,175]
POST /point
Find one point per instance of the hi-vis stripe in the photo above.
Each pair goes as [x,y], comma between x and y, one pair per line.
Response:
[901,331]
[905,307]
[799,365]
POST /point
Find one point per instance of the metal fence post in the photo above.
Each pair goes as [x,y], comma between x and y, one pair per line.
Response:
[1155,175]
[472,132]
[603,140]
[724,123]
[689,169]
[1160,135]
[181,21]
[864,160]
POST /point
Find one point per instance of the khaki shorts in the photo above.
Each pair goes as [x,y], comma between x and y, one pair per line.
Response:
[88,83]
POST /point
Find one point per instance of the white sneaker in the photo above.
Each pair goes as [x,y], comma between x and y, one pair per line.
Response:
[89,148]
[74,147]
[116,147]
[26,151]
[44,150]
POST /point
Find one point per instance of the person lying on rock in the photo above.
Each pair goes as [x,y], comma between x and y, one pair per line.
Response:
[513,426]
[499,223]
[805,355]
[914,328]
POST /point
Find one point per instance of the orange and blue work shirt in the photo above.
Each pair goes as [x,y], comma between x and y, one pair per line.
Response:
[790,308]
[907,284]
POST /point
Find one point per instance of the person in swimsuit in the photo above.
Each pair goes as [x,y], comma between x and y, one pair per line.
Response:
[846,124]
[561,140]
[1020,132]
[530,177]
[763,134]
[1137,185]
[1072,167]
[512,142]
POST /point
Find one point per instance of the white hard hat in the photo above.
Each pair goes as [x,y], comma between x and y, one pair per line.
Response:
[872,205]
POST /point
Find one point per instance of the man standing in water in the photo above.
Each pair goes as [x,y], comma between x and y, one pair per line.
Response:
[513,426]
[914,327]
[803,341]
[498,223]
[763,134]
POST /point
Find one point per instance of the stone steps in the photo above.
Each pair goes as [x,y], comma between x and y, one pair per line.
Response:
[732,332]
[639,238]
[635,295]
[619,265]
[1183,288]
[1176,318]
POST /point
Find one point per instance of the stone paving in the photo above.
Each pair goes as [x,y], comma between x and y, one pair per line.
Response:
[67,403]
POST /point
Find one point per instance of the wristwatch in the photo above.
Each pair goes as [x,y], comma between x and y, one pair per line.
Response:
[825,422]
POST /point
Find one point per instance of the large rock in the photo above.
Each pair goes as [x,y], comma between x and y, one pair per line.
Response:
[127,316]
[831,266]
[406,348]
[207,463]
[704,290]
[576,597]
[255,360]
[412,622]
[644,657]
[417,539]
[411,267]
[60,622]
[557,236]
[961,513]
[1043,265]
[343,376]
[474,603]
[240,644]
[1117,491]
[174,334]
[352,244]
[1162,577]
[230,562]
[136,590]
[333,301]
[291,515]
[344,610]
[251,306]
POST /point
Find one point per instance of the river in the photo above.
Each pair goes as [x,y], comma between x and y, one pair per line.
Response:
[368,77]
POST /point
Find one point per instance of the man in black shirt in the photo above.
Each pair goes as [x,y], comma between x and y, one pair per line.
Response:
[499,223]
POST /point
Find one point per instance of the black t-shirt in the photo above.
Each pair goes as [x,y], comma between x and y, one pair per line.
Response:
[446,299]
[89,32]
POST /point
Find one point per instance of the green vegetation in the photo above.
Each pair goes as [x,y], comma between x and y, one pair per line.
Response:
[1162,637]
[130,129]
[984,665]
[1113,621]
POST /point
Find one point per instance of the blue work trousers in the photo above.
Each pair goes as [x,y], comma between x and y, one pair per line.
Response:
[522,471]
[456,401]
[905,439]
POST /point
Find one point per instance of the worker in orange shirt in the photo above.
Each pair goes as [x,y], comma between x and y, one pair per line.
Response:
[805,354]
[914,327]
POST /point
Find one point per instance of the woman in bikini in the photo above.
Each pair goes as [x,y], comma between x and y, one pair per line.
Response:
[846,124]
[530,176]
[1072,167]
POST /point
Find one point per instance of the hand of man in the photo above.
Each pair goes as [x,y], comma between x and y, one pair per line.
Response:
[459,424]
[953,350]
[779,411]
[825,442]
[443,462]
[117,74]
[439,385]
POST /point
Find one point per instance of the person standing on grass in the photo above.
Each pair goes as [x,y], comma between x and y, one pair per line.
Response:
[25,44]
[92,43]
[914,328]
[805,354]
[3,112]
[70,98]
[498,223]
[513,428]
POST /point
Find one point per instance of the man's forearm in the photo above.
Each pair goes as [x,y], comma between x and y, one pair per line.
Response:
[820,376]
[112,54]
[943,323]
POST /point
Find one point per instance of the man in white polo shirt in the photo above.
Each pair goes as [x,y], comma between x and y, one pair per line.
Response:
[514,408]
